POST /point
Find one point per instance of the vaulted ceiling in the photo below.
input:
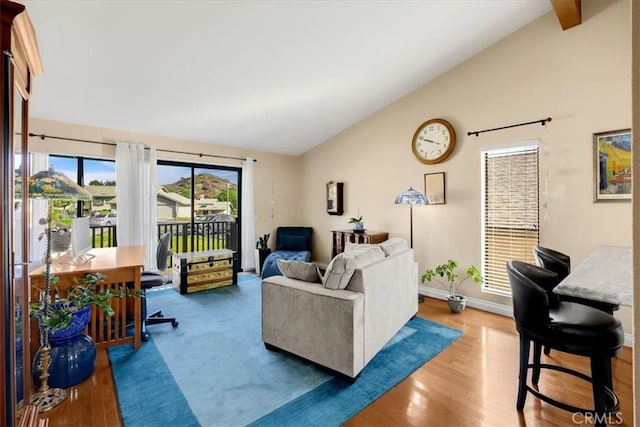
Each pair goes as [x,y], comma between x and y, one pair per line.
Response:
[277,76]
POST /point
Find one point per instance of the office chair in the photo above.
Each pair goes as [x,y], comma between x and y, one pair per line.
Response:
[151,279]
[568,327]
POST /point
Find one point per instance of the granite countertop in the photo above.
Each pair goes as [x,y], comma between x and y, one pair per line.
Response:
[605,275]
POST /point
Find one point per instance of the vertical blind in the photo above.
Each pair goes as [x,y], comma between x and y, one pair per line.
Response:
[510,212]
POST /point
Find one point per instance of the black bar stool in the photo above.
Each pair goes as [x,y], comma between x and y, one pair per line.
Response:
[568,327]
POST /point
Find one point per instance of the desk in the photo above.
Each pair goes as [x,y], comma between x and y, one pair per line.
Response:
[605,275]
[120,265]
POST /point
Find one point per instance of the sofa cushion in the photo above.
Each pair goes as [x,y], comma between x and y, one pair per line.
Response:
[342,266]
[307,271]
[393,246]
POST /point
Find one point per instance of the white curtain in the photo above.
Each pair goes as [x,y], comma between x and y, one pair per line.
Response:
[37,248]
[248,231]
[136,198]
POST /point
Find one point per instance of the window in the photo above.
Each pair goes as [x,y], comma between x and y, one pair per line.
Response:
[200,202]
[510,212]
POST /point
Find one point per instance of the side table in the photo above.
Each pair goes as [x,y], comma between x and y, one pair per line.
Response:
[342,237]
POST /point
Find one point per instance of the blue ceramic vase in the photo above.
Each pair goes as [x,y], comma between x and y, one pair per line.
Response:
[73,354]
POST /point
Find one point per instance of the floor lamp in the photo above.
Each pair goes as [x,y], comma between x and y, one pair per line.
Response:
[50,185]
[412,197]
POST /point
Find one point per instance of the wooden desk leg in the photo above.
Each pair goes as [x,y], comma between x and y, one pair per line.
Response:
[137,328]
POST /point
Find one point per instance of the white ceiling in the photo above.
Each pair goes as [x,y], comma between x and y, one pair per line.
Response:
[276,76]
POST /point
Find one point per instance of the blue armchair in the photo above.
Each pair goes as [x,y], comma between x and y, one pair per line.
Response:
[292,243]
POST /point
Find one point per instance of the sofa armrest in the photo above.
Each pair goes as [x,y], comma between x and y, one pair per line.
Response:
[322,325]
[391,282]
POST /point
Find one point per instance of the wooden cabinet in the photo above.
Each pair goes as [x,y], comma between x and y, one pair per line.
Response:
[20,62]
[341,237]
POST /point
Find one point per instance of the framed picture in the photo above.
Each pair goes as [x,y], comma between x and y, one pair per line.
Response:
[334,198]
[434,188]
[612,165]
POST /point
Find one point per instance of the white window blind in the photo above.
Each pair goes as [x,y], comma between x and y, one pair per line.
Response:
[510,212]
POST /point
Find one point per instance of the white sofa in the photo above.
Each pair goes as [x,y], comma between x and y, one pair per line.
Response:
[342,329]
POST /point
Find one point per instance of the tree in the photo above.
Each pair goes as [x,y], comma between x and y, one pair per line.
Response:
[233,197]
[107,183]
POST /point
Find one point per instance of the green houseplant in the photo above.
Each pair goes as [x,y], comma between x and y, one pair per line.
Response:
[447,276]
[263,242]
[262,251]
[59,313]
[358,225]
[66,355]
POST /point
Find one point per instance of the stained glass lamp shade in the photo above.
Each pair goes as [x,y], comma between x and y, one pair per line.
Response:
[411,197]
[54,185]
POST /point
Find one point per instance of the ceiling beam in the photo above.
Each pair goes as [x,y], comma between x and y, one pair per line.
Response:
[569,12]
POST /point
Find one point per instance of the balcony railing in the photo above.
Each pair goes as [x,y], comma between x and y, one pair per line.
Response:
[204,236]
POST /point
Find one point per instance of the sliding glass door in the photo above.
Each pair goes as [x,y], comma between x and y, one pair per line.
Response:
[200,205]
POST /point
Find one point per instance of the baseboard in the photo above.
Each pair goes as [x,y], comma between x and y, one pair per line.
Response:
[492,307]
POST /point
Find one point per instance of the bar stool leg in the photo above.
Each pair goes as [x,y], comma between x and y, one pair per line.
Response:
[599,380]
[522,377]
[537,349]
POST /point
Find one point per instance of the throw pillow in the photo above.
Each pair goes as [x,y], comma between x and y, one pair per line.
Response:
[307,271]
[393,246]
[341,268]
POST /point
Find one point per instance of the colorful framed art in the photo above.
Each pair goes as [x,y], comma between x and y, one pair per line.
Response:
[612,165]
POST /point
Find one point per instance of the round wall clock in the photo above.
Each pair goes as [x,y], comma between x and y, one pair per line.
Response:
[433,141]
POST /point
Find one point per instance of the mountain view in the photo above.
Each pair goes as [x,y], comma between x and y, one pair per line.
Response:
[206,185]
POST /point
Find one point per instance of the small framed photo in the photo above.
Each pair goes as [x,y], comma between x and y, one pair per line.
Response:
[434,188]
[612,165]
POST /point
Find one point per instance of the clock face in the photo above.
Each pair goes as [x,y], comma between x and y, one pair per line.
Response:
[433,141]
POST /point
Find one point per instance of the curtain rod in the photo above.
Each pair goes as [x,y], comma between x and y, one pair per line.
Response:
[541,121]
[43,136]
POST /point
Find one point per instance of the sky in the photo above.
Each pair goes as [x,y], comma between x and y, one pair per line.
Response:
[103,170]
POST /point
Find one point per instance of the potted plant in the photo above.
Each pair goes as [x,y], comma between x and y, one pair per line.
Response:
[358,225]
[63,320]
[262,251]
[60,238]
[446,275]
[60,312]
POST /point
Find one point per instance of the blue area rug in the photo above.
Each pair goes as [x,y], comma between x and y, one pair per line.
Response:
[213,370]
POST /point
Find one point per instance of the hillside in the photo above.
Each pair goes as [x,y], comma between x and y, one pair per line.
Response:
[207,185]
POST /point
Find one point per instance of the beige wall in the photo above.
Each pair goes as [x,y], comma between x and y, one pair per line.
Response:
[276,176]
[580,77]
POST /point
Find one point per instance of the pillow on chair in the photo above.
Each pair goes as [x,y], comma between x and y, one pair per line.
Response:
[307,271]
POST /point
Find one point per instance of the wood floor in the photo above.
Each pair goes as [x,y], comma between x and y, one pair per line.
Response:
[472,383]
